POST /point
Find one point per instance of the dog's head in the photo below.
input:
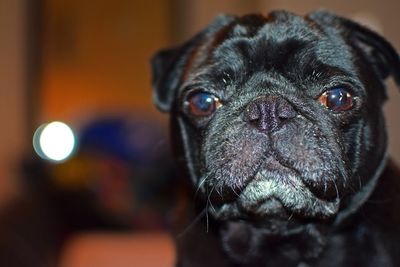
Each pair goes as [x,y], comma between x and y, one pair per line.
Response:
[279,116]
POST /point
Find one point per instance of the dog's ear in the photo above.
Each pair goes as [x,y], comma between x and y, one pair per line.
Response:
[168,65]
[379,52]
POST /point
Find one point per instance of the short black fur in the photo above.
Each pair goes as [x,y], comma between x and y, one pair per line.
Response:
[273,177]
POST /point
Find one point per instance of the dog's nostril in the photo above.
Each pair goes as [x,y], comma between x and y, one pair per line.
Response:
[286,111]
[267,113]
[253,112]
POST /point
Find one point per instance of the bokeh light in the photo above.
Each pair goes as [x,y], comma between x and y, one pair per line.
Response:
[54,141]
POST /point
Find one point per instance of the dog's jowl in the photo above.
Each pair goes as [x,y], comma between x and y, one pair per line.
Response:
[278,133]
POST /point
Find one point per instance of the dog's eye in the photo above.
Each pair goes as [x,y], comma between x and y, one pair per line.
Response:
[336,99]
[202,104]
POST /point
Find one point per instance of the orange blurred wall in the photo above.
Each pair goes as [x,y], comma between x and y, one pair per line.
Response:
[96,56]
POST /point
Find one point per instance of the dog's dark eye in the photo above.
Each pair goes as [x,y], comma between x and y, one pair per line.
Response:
[337,99]
[202,104]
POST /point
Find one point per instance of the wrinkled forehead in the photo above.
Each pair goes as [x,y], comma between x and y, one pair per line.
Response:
[280,40]
[277,27]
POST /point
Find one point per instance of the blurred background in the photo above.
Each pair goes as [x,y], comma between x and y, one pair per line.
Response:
[85,169]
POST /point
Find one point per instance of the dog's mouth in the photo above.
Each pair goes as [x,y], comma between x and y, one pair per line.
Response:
[291,173]
[279,192]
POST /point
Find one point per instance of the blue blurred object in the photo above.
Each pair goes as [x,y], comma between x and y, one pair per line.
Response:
[130,140]
[115,161]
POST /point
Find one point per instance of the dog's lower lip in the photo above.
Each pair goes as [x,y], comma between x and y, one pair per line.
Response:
[270,206]
[270,165]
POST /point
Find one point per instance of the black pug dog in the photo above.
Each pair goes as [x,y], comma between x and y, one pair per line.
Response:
[277,124]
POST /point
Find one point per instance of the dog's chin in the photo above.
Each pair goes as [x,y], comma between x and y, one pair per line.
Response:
[277,193]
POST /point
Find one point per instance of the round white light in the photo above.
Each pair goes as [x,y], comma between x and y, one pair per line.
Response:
[54,141]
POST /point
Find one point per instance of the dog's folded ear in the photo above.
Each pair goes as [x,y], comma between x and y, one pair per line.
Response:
[168,65]
[167,68]
[379,52]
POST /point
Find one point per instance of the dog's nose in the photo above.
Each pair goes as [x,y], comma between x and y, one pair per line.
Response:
[268,113]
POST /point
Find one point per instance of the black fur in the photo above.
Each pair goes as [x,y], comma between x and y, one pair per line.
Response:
[276,178]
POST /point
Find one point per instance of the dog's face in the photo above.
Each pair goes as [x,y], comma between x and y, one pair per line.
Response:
[278,117]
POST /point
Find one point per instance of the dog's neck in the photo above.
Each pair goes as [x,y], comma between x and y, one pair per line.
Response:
[243,241]
[362,195]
